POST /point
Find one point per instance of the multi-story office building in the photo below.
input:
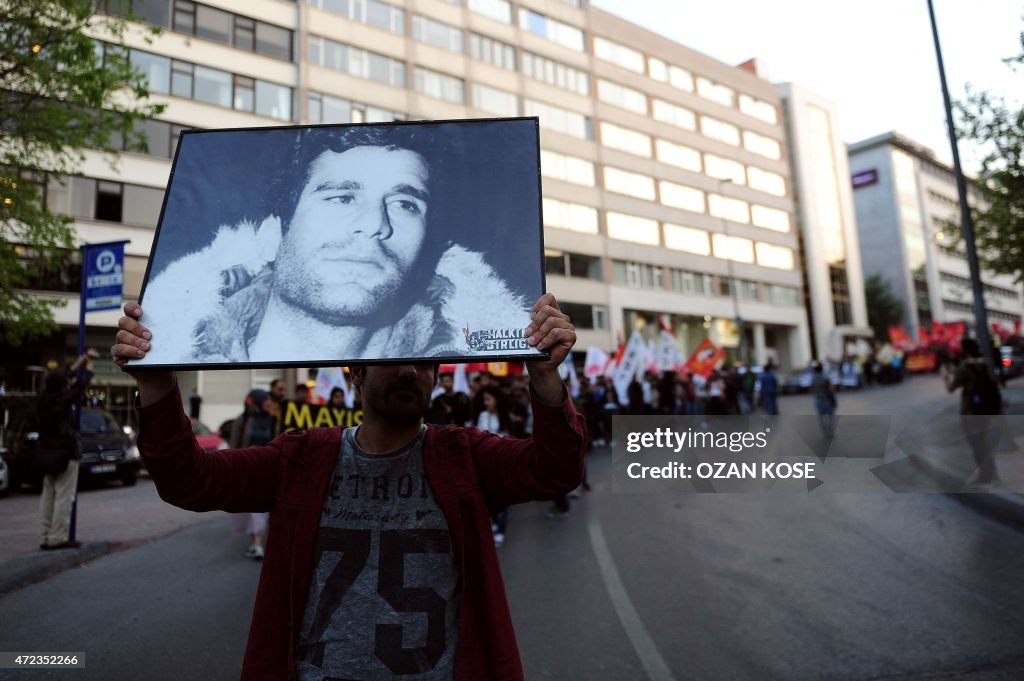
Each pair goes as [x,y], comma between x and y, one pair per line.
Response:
[834,283]
[905,201]
[667,190]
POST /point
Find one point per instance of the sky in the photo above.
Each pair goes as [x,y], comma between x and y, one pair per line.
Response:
[874,58]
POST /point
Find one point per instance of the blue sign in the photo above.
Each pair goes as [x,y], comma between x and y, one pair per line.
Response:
[104,277]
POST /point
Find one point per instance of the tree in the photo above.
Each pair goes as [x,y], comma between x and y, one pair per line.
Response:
[66,85]
[996,128]
[884,309]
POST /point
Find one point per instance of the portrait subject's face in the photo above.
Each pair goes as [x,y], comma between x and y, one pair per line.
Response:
[358,227]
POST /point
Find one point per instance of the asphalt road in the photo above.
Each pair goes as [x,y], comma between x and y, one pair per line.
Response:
[627,588]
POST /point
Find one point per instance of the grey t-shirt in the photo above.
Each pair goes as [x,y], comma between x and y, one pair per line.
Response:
[383,601]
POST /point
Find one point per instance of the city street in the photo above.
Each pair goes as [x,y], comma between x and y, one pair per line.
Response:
[915,587]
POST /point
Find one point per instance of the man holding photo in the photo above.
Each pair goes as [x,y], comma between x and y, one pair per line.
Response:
[355,252]
[380,561]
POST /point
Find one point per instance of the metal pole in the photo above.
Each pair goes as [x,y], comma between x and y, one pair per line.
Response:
[967,224]
[78,403]
[737,319]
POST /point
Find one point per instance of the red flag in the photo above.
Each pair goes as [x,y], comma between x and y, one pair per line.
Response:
[924,337]
[899,338]
[705,358]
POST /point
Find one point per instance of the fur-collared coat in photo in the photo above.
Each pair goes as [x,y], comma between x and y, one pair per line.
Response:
[208,305]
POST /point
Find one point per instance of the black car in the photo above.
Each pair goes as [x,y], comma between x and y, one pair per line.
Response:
[107,452]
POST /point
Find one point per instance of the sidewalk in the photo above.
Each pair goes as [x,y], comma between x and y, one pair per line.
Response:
[1004,505]
[109,519]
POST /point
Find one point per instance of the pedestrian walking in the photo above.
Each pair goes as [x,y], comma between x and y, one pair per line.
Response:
[980,403]
[254,427]
[770,390]
[824,399]
[494,419]
[57,450]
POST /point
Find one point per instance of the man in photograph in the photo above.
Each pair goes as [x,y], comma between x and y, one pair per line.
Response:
[380,563]
[353,261]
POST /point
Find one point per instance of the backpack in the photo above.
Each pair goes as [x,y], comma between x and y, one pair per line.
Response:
[984,393]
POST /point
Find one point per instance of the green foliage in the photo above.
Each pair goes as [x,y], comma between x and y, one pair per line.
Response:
[996,129]
[59,94]
[884,309]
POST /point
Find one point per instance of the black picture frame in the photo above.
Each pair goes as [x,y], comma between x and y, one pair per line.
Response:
[258,222]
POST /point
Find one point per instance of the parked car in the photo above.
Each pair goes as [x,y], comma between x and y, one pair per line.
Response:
[797,382]
[207,439]
[1012,357]
[107,451]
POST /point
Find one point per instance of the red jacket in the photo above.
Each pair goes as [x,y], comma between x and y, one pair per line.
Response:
[472,473]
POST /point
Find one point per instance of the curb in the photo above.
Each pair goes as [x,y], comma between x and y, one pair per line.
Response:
[21,571]
[1005,506]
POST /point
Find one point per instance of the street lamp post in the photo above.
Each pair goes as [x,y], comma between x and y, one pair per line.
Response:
[733,288]
[967,224]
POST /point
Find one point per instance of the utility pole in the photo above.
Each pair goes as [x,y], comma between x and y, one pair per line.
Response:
[967,224]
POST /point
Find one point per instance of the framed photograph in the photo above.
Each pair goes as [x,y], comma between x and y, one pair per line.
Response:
[344,244]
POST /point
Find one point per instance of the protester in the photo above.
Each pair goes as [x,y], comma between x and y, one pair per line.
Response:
[57,449]
[194,404]
[301,395]
[254,427]
[770,390]
[432,490]
[336,399]
[980,400]
[824,399]
[451,407]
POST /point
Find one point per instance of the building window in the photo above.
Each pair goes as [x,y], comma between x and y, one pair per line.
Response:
[585,316]
[499,10]
[732,248]
[492,52]
[715,92]
[108,201]
[560,120]
[624,139]
[759,144]
[226,28]
[437,34]
[155,69]
[356,62]
[440,86]
[769,255]
[629,183]
[273,101]
[161,136]
[637,275]
[495,101]
[327,109]
[571,216]
[212,86]
[712,128]
[767,182]
[687,239]
[555,31]
[680,196]
[617,54]
[763,111]
[691,282]
[680,117]
[370,12]
[783,295]
[770,218]
[245,93]
[566,168]
[574,265]
[724,169]
[554,73]
[678,155]
[632,228]
[181,79]
[622,96]
[728,208]
[667,73]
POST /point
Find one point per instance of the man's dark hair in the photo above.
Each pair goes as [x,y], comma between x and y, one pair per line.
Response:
[293,173]
[273,384]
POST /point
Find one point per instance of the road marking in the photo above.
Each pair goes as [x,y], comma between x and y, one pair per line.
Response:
[650,658]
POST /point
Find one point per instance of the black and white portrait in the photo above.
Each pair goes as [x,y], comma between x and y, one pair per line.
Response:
[320,245]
